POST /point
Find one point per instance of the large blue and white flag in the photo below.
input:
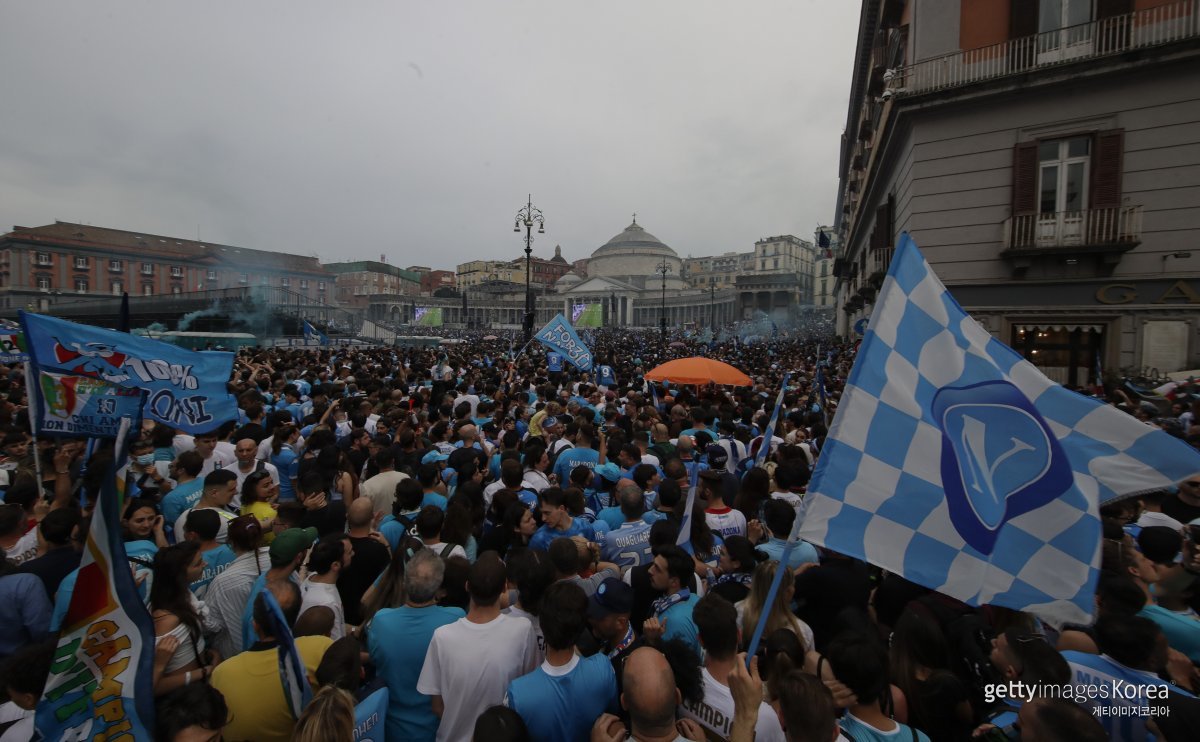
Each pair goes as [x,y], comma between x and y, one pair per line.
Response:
[955,463]
[185,388]
[313,335]
[558,335]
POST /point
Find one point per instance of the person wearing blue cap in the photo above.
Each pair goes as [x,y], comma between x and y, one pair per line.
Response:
[610,630]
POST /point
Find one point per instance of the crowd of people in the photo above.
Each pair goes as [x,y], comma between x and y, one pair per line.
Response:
[464,545]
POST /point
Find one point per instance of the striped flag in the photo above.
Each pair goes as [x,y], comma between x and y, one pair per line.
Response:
[296,689]
[101,680]
[953,462]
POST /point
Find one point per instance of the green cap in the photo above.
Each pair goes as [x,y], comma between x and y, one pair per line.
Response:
[291,542]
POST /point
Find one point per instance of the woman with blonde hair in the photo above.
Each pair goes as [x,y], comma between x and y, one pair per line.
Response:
[329,717]
[779,615]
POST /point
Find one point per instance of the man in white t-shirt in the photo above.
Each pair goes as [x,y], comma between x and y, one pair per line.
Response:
[716,622]
[17,544]
[470,662]
[245,463]
[206,446]
[329,557]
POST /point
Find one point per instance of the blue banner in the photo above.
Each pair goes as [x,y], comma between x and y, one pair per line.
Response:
[100,683]
[605,376]
[554,362]
[313,335]
[77,406]
[558,335]
[185,388]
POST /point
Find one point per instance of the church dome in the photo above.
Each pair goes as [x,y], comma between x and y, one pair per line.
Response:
[568,279]
[634,257]
[634,239]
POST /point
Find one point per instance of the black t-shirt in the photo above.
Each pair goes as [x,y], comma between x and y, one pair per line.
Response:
[370,559]
[1180,510]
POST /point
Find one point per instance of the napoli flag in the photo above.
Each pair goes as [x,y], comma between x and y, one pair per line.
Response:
[313,335]
[185,388]
[955,463]
[559,336]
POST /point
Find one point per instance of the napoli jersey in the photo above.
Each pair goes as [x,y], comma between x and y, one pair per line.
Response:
[627,546]
[1095,677]
[573,457]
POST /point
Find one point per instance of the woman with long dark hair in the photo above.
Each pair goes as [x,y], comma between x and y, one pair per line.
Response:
[259,496]
[177,613]
[514,530]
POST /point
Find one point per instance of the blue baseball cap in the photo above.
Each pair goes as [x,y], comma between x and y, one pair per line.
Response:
[609,471]
[433,456]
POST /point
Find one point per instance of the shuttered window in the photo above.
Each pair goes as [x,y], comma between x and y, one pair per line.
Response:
[1104,182]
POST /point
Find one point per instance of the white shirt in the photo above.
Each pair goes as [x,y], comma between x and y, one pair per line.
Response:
[715,713]
[470,666]
[25,548]
[791,498]
[439,547]
[539,638]
[381,490]
[490,491]
[218,460]
[226,448]
[320,593]
[535,480]
[182,443]
[227,596]
[222,531]
[729,523]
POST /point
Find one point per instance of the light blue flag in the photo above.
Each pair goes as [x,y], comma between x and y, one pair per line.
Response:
[558,335]
[605,376]
[185,388]
[955,463]
[765,447]
[313,335]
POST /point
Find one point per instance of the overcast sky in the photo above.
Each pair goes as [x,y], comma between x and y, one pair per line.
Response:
[415,129]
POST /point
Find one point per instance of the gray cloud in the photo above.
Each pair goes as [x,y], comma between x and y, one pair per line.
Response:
[415,129]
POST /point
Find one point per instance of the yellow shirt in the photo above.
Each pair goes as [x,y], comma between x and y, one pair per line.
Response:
[265,514]
[253,691]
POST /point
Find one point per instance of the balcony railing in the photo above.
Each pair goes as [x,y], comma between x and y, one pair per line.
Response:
[878,261]
[1115,227]
[1105,37]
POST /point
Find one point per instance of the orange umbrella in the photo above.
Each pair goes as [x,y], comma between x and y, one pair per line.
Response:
[698,371]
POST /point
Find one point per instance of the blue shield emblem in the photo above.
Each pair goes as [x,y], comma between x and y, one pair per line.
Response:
[999,459]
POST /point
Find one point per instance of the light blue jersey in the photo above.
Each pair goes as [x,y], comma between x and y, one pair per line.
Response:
[627,546]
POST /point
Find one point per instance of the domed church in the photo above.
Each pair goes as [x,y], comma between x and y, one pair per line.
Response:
[633,257]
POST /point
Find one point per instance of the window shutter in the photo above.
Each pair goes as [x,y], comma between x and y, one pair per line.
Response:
[1107,164]
[883,227]
[1023,19]
[1025,170]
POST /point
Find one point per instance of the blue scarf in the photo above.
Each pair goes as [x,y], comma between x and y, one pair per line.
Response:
[741,578]
[662,604]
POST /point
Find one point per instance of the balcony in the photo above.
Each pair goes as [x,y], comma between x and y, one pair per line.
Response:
[877,265]
[1108,233]
[1105,37]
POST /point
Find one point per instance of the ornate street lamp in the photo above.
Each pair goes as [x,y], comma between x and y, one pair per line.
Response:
[529,216]
[663,269]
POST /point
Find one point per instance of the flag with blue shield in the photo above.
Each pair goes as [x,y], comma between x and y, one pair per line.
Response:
[955,463]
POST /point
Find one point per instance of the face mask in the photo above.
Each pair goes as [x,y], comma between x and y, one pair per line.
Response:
[145,459]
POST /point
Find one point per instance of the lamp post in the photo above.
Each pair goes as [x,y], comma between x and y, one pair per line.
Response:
[528,216]
[663,269]
[613,316]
